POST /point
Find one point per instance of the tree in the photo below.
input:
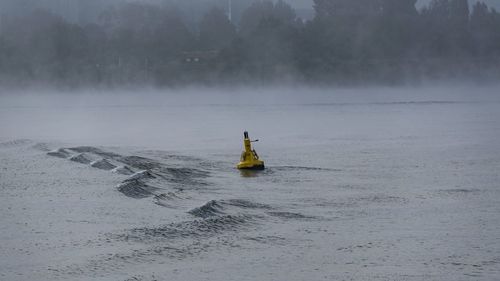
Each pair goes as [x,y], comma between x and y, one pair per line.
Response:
[396,29]
[216,31]
[484,25]
[447,27]
[253,15]
[271,49]
[459,13]
[264,10]
[353,9]
[437,29]
[144,42]
[459,26]
[283,12]
[270,33]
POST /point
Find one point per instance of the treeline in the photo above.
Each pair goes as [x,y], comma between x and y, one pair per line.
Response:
[348,41]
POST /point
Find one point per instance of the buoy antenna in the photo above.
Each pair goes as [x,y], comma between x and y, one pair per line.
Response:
[249,158]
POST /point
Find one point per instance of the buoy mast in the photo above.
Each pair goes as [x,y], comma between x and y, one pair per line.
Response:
[249,158]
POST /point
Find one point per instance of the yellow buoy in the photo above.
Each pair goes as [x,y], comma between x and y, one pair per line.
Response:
[249,158]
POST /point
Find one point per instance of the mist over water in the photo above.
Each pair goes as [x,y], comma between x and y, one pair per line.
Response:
[202,118]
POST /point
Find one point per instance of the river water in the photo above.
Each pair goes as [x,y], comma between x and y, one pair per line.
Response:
[386,184]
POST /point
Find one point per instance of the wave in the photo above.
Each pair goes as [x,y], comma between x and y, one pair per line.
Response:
[209,209]
[123,170]
[42,147]
[81,158]
[289,215]
[94,150]
[199,228]
[13,143]
[221,207]
[166,199]
[61,153]
[139,162]
[303,168]
[457,192]
[152,178]
[241,203]
[389,103]
[140,176]
[103,164]
[136,189]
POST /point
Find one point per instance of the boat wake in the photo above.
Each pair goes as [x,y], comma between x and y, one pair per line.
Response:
[147,177]
[171,182]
